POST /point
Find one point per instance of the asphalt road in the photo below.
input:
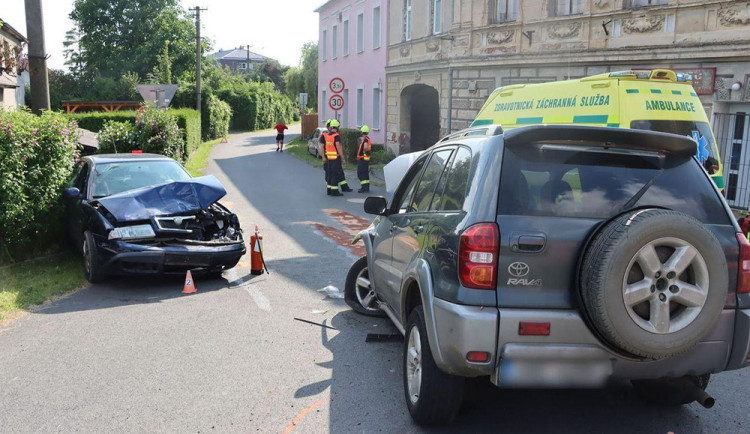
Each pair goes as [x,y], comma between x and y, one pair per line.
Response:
[135,355]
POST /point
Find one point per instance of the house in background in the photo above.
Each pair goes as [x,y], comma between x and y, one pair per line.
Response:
[238,59]
[11,48]
[353,47]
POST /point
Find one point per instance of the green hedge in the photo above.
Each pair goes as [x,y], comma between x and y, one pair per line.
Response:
[350,141]
[94,121]
[189,122]
[36,158]
[257,106]
[216,118]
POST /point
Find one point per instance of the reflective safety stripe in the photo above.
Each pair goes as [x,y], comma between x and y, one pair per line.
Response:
[330,139]
[333,187]
[366,181]
[365,146]
[342,183]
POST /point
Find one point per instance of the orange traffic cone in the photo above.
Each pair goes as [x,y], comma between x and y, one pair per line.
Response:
[189,287]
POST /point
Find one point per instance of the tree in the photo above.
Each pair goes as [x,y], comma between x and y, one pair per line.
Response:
[73,55]
[129,35]
[162,72]
[304,79]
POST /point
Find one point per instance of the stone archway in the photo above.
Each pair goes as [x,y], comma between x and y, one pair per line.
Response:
[420,117]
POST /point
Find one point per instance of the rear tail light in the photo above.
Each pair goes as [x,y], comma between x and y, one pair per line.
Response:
[743,277]
[478,356]
[477,256]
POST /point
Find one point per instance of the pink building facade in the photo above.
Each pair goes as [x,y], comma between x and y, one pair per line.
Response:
[353,46]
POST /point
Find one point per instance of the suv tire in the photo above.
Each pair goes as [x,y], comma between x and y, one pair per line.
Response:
[432,396]
[653,282]
[358,291]
[669,391]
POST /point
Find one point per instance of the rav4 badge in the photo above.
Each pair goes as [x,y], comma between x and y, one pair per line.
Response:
[518,270]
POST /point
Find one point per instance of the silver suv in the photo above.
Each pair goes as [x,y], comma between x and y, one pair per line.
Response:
[557,256]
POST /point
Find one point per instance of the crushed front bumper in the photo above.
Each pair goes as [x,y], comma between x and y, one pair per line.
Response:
[120,257]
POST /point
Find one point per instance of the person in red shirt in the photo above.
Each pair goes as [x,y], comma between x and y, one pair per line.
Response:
[280,127]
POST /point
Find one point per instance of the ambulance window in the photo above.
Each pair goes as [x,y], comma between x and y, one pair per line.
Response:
[699,131]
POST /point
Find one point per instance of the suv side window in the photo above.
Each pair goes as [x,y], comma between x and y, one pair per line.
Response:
[458,179]
[406,191]
[430,179]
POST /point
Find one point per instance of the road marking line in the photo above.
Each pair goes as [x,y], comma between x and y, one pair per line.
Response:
[297,419]
[260,300]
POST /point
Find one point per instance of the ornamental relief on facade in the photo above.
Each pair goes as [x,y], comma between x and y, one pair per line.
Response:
[498,38]
[432,45]
[734,17]
[601,4]
[564,31]
[648,24]
[404,51]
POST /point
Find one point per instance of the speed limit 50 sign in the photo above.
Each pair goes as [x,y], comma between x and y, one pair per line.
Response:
[336,102]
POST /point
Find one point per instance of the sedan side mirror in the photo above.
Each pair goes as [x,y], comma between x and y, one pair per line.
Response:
[71,193]
[376,205]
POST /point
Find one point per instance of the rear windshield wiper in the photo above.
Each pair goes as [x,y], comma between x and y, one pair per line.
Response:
[633,200]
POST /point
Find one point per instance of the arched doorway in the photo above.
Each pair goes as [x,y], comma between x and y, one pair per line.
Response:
[420,116]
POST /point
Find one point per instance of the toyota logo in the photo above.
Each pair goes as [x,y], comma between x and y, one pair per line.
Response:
[518,269]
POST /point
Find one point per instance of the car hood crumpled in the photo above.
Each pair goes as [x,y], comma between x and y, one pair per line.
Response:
[175,197]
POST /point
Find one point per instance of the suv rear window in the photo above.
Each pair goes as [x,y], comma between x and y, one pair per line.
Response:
[591,182]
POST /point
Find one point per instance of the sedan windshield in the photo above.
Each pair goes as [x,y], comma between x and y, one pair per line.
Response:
[113,178]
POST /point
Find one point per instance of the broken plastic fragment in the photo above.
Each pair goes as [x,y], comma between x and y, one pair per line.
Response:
[331,291]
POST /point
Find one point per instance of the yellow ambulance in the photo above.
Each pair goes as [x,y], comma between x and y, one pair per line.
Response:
[657,100]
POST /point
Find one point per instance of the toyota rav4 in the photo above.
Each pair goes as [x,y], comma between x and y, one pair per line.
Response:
[557,256]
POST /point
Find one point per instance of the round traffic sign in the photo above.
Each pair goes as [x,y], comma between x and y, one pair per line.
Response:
[336,102]
[336,85]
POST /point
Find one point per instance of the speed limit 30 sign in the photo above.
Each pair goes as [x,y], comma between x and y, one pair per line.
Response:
[336,102]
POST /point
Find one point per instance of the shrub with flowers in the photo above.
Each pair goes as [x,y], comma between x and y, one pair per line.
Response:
[116,137]
[36,158]
[156,131]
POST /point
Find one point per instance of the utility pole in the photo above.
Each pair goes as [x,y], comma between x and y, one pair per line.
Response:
[37,57]
[197,10]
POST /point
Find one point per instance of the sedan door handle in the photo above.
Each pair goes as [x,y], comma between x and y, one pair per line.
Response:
[418,229]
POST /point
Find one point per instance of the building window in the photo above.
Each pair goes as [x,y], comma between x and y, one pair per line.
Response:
[324,105]
[376,27]
[376,92]
[360,106]
[243,65]
[360,32]
[437,16]
[642,3]
[324,45]
[407,20]
[560,8]
[345,44]
[506,10]
[334,42]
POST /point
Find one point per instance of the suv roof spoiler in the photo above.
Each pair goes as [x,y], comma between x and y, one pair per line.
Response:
[617,137]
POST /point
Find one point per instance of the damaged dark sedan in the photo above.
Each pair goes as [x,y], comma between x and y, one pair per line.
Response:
[145,214]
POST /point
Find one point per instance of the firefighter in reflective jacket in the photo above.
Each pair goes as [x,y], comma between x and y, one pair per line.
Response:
[364,150]
[333,160]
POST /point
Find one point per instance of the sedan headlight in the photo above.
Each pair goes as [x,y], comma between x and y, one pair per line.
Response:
[132,232]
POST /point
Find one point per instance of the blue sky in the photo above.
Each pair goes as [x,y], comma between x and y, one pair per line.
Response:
[276,29]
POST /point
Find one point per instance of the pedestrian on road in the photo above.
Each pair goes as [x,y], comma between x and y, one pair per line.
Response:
[364,150]
[280,127]
[333,157]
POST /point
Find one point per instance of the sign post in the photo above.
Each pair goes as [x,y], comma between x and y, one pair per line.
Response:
[303,100]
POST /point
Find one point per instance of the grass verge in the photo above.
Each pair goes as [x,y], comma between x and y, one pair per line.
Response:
[198,160]
[32,283]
